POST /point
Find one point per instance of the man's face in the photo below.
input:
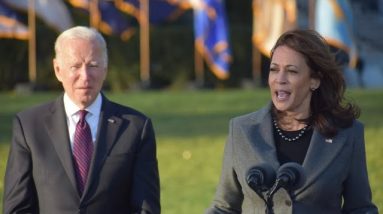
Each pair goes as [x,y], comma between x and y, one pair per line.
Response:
[81,69]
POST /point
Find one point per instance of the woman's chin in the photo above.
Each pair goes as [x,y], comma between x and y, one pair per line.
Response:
[281,105]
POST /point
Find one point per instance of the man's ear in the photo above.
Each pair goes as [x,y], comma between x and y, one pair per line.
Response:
[56,67]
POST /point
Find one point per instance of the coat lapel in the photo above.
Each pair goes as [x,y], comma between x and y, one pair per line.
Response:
[58,132]
[108,129]
[265,139]
[321,152]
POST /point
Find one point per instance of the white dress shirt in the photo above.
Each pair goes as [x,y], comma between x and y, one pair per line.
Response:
[72,116]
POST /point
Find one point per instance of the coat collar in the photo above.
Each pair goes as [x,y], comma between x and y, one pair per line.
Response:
[321,152]
[56,125]
[109,125]
[264,136]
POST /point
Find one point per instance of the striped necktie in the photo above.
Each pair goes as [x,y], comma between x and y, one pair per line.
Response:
[82,150]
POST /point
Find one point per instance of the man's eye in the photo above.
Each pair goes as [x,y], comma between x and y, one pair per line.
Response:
[74,67]
[93,65]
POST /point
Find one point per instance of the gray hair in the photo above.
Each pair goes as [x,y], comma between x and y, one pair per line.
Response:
[81,32]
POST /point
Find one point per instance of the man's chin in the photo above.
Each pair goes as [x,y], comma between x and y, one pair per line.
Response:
[86,100]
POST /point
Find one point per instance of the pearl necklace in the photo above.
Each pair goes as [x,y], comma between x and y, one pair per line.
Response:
[287,138]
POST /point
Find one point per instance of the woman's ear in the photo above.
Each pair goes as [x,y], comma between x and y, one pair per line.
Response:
[315,83]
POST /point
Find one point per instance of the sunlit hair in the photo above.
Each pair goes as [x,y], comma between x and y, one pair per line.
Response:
[81,32]
[329,108]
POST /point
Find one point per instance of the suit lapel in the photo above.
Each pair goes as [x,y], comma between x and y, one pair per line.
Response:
[321,152]
[58,132]
[265,148]
[108,129]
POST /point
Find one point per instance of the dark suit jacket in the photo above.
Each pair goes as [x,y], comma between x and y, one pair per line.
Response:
[334,170]
[123,176]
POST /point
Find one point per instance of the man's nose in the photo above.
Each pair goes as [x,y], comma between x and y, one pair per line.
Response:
[85,71]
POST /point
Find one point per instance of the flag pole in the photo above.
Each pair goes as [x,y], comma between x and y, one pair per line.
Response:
[144,42]
[198,67]
[93,13]
[256,55]
[257,66]
[311,14]
[32,42]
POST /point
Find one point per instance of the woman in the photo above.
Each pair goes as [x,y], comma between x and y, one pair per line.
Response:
[309,123]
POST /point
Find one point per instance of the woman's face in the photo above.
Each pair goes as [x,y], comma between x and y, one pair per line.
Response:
[290,82]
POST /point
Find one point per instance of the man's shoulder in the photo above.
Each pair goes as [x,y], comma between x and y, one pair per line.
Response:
[37,110]
[125,111]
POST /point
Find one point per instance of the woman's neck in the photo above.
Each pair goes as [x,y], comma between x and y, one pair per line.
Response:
[292,121]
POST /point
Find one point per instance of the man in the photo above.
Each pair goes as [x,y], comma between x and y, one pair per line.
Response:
[67,160]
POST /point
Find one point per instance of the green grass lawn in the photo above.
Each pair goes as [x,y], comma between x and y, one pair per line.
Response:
[191,128]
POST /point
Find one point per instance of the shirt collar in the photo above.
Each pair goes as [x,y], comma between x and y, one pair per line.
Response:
[71,108]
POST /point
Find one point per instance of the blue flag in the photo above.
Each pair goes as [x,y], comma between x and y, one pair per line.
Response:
[107,18]
[159,10]
[113,22]
[10,24]
[334,21]
[211,36]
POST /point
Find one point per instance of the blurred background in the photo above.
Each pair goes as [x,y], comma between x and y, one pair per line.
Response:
[191,65]
[180,44]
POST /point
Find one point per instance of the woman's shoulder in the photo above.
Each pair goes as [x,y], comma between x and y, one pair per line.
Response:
[257,115]
[357,127]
